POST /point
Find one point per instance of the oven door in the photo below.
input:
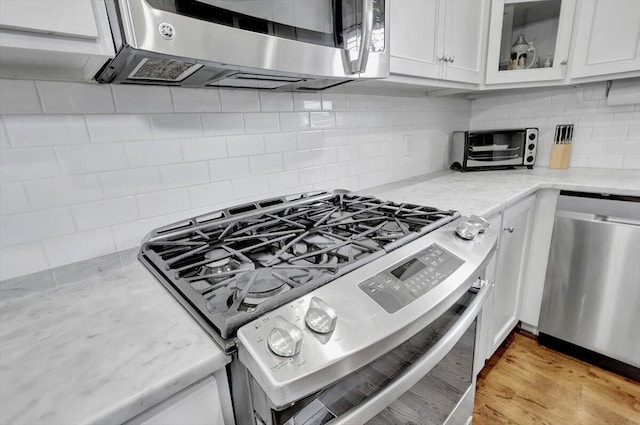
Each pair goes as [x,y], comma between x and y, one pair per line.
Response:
[322,38]
[427,380]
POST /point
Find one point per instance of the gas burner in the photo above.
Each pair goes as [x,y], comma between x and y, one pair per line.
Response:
[392,230]
[222,265]
[264,286]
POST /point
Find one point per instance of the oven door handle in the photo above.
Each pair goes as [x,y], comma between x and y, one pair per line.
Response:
[403,383]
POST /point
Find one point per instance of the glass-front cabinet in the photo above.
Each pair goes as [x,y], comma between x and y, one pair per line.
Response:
[529,40]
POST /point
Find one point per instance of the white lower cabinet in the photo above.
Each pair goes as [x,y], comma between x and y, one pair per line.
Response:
[206,402]
[510,270]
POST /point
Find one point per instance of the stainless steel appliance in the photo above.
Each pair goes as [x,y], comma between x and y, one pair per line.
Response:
[591,301]
[494,149]
[270,45]
[321,295]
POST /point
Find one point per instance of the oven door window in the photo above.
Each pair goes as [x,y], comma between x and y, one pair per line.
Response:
[430,402]
[321,22]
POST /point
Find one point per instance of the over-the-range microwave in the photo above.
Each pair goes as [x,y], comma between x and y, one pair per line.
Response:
[270,45]
[494,149]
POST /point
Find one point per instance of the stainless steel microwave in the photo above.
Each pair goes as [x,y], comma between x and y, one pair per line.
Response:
[494,149]
[292,45]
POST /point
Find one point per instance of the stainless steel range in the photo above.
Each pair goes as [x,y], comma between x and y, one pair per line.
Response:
[335,306]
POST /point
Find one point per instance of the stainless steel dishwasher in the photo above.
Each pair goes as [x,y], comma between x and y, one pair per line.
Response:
[591,302]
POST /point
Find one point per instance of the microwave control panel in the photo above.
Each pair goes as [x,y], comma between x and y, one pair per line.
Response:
[407,281]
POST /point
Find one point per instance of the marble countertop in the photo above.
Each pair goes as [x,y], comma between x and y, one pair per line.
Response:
[101,341]
[98,342]
[485,193]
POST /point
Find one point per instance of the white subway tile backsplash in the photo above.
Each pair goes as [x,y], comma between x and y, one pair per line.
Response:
[297,159]
[142,99]
[549,110]
[17,229]
[605,161]
[28,163]
[13,199]
[46,130]
[510,99]
[245,145]
[626,147]
[164,202]
[334,102]
[312,175]
[279,182]
[156,152]
[222,124]
[129,235]
[22,259]
[337,170]
[346,119]
[198,149]
[322,120]
[307,102]
[280,142]
[75,98]
[208,195]
[240,101]
[609,133]
[195,100]
[249,187]
[131,182]
[67,190]
[626,118]
[263,164]
[335,137]
[567,95]
[347,153]
[169,126]
[294,121]
[19,97]
[228,168]
[261,122]
[180,175]
[631,162]
[4,137]
[118,127]
[71,248]
[309,140]
[105,213]
[324,156]
[595,120]
[276,102]
[77,159]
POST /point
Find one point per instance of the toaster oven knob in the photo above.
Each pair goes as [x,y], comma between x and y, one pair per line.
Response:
[285,339]
[320,317]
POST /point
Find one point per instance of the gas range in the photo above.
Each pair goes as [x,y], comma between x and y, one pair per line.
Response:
[232,266]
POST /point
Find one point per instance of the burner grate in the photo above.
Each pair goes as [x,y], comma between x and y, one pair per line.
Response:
[216,265]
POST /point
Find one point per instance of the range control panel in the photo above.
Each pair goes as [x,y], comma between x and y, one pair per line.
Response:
[403,283]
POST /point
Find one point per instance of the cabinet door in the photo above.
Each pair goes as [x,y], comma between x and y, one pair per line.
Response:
[544,24]
[485,333]
[510,266]
[607,38]
[465,37]
[416,37]
[63,17]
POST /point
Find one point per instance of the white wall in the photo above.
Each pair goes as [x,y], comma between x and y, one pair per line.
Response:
[605,136]
[89,169]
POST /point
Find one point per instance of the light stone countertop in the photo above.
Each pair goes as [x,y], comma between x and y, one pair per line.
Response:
[101,341]
[98,343]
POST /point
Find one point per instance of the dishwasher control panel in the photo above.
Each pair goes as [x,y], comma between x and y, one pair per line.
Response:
[404,282]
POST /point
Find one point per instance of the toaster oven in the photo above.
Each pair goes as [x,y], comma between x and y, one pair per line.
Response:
[494,149]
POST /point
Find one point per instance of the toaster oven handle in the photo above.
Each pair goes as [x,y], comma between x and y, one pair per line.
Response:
[403,383]
[360,64]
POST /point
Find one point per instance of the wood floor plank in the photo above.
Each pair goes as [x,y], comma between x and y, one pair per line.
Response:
[524,383]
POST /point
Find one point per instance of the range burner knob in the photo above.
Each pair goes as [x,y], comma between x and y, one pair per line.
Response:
[321,317]
[285,339]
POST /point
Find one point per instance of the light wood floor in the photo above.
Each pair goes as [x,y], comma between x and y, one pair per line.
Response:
[525,383]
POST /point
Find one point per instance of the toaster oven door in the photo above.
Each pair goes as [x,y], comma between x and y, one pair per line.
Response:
[500,148]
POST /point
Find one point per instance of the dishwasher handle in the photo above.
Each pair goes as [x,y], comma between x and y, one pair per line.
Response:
[598,218]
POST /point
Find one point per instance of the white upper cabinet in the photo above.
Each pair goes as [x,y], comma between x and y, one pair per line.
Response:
[439,39]
[607,39]
[46,39]
[529,40]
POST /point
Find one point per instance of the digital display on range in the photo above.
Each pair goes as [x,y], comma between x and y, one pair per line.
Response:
[408,269]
